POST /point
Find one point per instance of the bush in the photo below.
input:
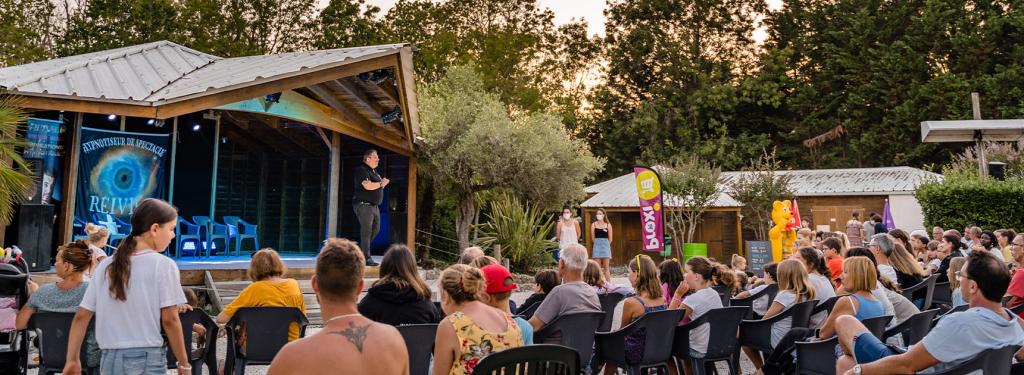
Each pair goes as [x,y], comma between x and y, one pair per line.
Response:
[521,230]
[960,201]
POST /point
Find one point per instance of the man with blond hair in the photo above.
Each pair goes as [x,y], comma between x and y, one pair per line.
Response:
[349,342]
[573,295]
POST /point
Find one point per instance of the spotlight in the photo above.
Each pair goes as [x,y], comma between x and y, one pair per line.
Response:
[392,115]
[273,98]
[377,76]
[195,127]
[111,117]
[150,122]
[224,140]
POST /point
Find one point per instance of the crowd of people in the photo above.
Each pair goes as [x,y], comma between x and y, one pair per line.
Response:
[135,297]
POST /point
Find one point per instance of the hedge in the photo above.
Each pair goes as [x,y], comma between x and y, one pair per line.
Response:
[960,202]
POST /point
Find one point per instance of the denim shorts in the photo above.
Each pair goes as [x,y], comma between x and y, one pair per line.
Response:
[134,361]
[867,348]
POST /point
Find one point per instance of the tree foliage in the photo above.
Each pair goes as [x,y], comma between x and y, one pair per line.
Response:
[756,189]
[523,231]
[691,187]
[15,174]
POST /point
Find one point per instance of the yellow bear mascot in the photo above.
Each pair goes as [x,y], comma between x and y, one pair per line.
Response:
[782,239]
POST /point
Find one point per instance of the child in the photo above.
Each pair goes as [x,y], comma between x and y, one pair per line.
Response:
[760,305]
[954,283]
[499,287]
[934,258]
[198,331]
[544,282]
[593,275]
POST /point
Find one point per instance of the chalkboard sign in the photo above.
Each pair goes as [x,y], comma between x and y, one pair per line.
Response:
[759,253]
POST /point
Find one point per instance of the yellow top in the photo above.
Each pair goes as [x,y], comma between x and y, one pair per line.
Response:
[477,343]
[284,293]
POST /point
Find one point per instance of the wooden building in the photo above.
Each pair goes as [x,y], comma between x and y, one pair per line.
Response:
[273,139]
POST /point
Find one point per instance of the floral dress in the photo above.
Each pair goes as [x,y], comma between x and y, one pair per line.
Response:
[475,343]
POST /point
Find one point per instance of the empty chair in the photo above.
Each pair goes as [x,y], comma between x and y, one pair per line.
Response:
[52,330]
[531,359]
[942,295]
[989,362]
[243,231]
[722,341]
[929,285]
[914,328]
[197,356]
[770,291]
[118,228]
[725,292]
[577,332]
[419,340]
[608,303]
[757,334]
[213,231]
[256,334]
[816,357]
[877,325]
[657,351]
[187,232]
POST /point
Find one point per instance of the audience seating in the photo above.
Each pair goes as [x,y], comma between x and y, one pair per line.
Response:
[52,330]
[213,231]
[825,306]
[914,328]
[242,231]
[770,291]
[724,292]
[757,334]
[608,303]
[942,296]
[819,357]
[256,334]
[956,309]
[989,362]
[929,285]
[577,332]
[417,337]
[611,346]
[722,343]
[539,359]
[205,355]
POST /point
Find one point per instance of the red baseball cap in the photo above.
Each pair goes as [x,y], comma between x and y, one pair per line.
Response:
[498,279]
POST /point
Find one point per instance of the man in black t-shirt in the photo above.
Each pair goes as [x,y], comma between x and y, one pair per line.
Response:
[368,195]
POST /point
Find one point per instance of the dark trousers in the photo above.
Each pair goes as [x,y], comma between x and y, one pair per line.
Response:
[781,359]
[369,225]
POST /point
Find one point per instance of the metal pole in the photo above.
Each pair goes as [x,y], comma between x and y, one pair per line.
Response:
[174,159]
[123,119]
[216,159]
[979,138]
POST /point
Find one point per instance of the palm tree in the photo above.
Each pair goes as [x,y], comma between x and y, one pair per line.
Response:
[15,175]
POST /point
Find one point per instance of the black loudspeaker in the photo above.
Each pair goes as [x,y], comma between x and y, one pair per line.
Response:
[35,235]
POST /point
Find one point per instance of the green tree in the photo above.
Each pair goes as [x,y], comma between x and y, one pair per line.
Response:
[347,23]
[15,174]
[27,32]
[691,187]
[756,189]
[472,144]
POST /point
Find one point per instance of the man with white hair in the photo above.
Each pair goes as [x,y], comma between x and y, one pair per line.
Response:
[573,296]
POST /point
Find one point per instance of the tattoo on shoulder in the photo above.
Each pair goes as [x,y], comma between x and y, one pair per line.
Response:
[355,334]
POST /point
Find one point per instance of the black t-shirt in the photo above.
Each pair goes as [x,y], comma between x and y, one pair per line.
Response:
[374,197]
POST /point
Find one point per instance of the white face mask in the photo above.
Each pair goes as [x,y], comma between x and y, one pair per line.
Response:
[567,216]
[600,217]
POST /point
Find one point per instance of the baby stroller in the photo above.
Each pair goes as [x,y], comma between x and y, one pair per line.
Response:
[14,344]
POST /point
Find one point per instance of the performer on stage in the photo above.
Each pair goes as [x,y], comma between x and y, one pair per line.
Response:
[366,201]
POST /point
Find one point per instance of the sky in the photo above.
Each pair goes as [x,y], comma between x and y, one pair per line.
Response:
[567,10]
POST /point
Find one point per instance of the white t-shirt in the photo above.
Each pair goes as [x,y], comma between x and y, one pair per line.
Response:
[823,290]
[760,305]
[135,322]
[961,336]
[701,302]
[998,254]
[887,271]
[787,299]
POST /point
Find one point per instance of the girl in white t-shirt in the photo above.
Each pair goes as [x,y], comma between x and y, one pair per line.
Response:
[697,278]
[760,305]
[133,295]
[794,287]
[817,272]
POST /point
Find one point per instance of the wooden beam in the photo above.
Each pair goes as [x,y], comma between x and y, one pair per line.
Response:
[201,101]
[304,144]
[334,187]
[71,178]
[407,81]
[323,136]
[358,93]
[350,114]
[410,204]
[388,89]
[84,106]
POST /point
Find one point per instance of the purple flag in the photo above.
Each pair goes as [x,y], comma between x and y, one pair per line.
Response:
[890,224]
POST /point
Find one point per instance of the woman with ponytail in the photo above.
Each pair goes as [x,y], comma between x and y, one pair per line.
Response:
[695,296]
[134,294]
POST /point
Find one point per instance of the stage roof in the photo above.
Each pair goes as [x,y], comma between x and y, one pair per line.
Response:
[965,130]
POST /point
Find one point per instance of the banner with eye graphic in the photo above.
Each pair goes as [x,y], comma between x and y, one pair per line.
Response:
[117,170]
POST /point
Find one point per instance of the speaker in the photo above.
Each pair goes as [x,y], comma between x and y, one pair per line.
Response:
[35,235]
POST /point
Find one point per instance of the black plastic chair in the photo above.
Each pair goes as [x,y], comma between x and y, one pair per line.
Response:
[877,325]
[608,303]
[197,357]
[722,342]
[53,330]
[942,296]
[419,341]
[528,311]
[577,332]
[956,309]
[770,291]
[757,334]
[531,359]
[724,292]
[914,328]
[1017,369]
[611,346]
[990,362]
[928,284]
[265,330]
[825,306]
[816,357]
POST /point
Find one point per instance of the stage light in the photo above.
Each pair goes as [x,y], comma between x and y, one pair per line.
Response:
[224,140]
[377,76]
[195,127]
[111,117]
[273,98]
[391,116]
[150,122]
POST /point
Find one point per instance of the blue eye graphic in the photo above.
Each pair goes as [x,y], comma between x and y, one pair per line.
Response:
[125,174]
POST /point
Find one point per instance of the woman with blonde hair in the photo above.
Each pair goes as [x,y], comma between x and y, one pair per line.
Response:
[594,276]
[601,232]
[268,288]
[794,287]
[472,330]
[97,236]
[955,265]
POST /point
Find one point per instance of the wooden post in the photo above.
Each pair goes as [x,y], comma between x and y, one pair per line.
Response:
[174,157]
[216,160]
[334,187]
[123,119]
[979,142]
[739,236]
[410,210]
[71,185]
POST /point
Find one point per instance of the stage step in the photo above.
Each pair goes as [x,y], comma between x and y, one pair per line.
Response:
[227,291]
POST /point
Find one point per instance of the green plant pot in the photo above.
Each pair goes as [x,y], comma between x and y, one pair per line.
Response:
[691,250]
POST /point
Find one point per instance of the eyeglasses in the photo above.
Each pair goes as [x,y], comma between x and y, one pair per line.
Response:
[1016,244]
[961,275]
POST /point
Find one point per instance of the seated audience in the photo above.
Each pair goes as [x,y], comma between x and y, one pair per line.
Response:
[955,339]
[470,254]
[481,262]
[816,271]
[987,242]
[919,245]
[934,257]
[594,276]
[760,305]
[348,342]
[472,330]
[400,296]
[670,272]
[951,247]
[1005,237]
[1016,288]
[643,275]
[794,287]
[696,297]
[954,283]
[64,296]
[268,288]
[573,295]
[500,286]
[887,292]
[543,282]
[833,250]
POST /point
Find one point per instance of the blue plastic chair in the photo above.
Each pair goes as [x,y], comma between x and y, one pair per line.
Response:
[79,228]
[119,229]
[213,231]
[188,232]
[243,231]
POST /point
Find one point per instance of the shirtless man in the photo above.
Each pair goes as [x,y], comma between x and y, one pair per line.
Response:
[348,342]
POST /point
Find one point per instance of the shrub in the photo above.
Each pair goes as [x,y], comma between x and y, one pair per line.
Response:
[521,230]
[959,201]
